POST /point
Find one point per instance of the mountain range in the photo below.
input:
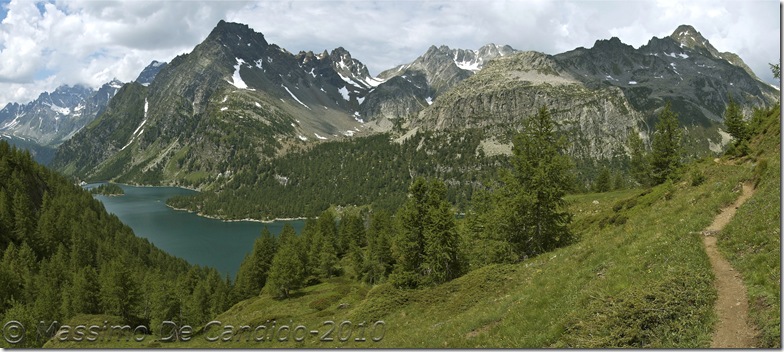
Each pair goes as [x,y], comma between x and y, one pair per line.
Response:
[237,99]
[46,122]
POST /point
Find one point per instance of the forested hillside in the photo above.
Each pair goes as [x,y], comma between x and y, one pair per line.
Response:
[373,170]
[64,256]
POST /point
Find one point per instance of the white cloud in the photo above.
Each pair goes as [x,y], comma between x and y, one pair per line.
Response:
[91,42]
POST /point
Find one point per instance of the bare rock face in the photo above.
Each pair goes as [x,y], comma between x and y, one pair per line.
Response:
[600,95]
[503,95]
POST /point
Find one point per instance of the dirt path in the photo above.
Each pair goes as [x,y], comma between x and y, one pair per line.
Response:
[733,329]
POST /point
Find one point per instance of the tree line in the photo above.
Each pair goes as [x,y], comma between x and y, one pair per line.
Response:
[521,214]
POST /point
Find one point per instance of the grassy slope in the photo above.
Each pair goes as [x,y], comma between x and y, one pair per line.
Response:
[639,276]
[752,241]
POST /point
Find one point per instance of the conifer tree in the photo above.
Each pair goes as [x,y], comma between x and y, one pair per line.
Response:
[618,181]
[733,119]
[83,294]
[427,245]
[410,242]
[119,291]
[638,165]
[737,127]
[311,241]
[603,182]
[353,238]
[378,258]
[327,254]
[540,176]
[287,272]
[666,147]
[442,259]
[24,222]
[252,274]
[6,218]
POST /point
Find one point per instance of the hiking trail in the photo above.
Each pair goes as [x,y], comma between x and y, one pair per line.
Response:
[733,329]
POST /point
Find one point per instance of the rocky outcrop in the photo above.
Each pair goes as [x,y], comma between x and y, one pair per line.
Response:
[498,100]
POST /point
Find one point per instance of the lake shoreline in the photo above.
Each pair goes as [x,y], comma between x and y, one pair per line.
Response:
[200,240]
[234,220]
[200,213]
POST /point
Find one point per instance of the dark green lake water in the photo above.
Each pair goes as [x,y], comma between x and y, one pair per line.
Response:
[206,242]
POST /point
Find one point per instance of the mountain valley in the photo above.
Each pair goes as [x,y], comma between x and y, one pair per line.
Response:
[470,198]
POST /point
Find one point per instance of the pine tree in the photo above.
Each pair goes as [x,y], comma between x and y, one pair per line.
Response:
[6,219]
[352,236]
[119,291]
[737,127]
[83,294]
[733,119]
[410,242]
[484,221]
[618,182]
[536,218]
[24,222]
[378,258]
[603,182]
[311,241]
[442,259]
[166,303]
[287,272]
[427,245]
[666,147]
[638,165]
[328,242]
[252,274]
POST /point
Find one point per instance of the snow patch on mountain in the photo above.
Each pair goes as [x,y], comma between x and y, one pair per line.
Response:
[236,80]
[473,66]
[14,122]
[139,130]
[374,82]
[349,80]
[295,97]
[344,92]
[59,109]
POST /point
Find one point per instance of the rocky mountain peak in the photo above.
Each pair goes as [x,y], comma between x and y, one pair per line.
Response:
[237,35]
[351,70]
[148,74]
[340,54]
[610,45]
[687,36]
[495,50]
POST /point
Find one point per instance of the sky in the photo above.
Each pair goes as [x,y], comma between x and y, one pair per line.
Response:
[45,44]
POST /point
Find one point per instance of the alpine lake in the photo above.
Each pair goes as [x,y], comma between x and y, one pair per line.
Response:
[199,240]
